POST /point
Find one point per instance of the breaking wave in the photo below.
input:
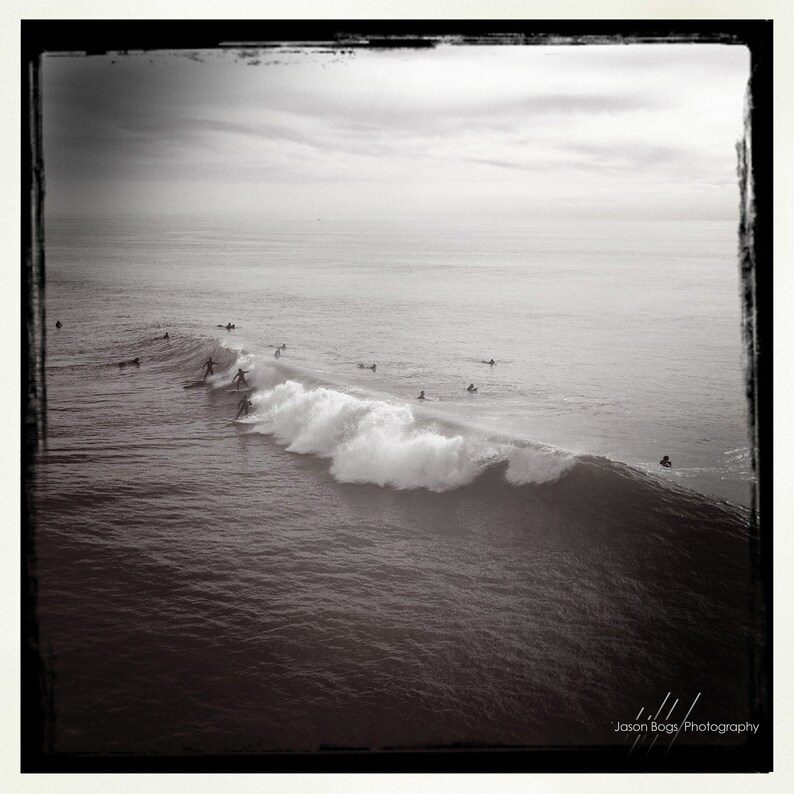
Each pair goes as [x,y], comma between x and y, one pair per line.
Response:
[374,441]
[381,440]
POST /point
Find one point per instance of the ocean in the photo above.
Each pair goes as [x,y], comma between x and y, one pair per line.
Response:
[351,567]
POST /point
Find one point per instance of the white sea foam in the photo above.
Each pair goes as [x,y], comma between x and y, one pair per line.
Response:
[383,443]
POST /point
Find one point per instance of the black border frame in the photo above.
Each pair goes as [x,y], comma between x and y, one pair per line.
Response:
[93,37]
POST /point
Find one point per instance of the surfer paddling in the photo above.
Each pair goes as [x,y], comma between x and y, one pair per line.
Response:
[243,406]
[240,378]
[471,388]
[665,461]
[209,367]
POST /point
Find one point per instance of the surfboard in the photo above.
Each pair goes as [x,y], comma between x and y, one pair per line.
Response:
[239,391]
[194,384]
[238,422]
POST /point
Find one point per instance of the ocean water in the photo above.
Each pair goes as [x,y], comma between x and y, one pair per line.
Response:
[350,567]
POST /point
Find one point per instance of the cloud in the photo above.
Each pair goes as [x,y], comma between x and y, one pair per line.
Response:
[535,120]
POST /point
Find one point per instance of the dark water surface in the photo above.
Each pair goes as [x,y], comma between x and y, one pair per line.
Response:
[350,569]
[202,588]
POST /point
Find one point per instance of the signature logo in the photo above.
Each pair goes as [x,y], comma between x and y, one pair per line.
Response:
[663,722]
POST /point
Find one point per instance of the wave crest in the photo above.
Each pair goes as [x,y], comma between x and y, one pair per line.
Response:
[537,466]
[373,441]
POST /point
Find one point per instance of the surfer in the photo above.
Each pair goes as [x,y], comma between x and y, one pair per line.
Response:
[374,367]
[166,335]
[240,378]
[208,366]
[243,405]
[59,324]
[277,354]
[491,362]
[283,347]
[665,461]
[421,395]
[471,388]
[135,362]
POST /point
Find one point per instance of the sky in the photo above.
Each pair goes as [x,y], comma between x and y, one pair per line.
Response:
[639,131]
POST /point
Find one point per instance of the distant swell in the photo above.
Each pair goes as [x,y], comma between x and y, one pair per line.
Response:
[373,441]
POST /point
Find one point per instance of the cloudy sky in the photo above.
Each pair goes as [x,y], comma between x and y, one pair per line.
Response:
[514,132]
